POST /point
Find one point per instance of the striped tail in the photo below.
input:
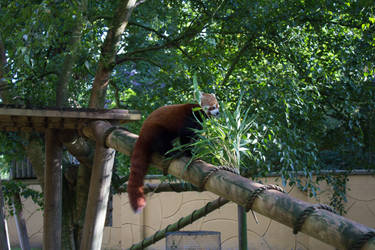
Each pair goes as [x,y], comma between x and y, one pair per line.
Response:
[140,160]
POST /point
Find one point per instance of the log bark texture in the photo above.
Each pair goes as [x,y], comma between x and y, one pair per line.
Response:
[100,182]
[323,225]
[108,53]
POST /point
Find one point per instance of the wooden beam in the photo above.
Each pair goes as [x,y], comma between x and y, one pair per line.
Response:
[103,114]
[99,190]
[52,191]
[12,119]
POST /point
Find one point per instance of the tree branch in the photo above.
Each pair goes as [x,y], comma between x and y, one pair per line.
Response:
[4,93]
[188,34]
[125,59]
[149,29]
[69,60]
[236,60]
[108,53]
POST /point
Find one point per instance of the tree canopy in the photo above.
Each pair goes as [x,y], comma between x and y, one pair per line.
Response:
[306,68]
[304,71]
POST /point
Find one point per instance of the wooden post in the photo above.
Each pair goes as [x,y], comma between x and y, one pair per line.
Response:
[99,190]
[52,192]
[4,240]
[20,223]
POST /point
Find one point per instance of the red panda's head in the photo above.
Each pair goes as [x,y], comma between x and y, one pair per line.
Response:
[209,104]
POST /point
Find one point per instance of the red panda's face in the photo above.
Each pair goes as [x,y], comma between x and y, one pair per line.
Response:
[211,110]
[209,104]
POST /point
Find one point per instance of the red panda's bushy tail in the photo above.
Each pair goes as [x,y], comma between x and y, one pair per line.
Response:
[140,160]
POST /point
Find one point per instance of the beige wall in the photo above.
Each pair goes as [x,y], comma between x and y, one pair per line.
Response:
[164,209]
[34,222]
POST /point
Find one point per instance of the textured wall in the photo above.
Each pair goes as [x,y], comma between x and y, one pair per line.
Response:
[164,209]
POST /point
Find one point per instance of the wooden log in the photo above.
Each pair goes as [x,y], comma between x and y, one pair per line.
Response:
[99,190]
[52,192]
[323,225]
[165,187]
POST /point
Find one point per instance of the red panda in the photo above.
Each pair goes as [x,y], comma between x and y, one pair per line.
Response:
[158,131]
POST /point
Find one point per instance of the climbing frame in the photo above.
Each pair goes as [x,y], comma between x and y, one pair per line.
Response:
[51,121]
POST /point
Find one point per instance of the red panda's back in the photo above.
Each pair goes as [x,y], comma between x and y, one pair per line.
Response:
[172,117]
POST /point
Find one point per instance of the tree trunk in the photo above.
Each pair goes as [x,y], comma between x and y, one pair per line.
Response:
[4,93]
[68,204]
[67,66]
[52,192]
[20,223]
[65,74]
[4,239]
[104,157]
[62,83]
[108,53]
[81,195]
[83,151]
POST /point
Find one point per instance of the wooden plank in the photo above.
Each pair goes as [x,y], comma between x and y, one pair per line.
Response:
[7,119]
[111,114]
[18,123]
[41,122]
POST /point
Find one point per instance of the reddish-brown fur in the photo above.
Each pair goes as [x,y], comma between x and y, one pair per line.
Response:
[153,127]
[158,131]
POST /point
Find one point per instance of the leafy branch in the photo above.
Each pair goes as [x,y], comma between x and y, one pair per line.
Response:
[185,36]
[236,59]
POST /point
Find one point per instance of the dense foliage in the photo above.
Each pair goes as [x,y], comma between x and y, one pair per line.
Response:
[306,68]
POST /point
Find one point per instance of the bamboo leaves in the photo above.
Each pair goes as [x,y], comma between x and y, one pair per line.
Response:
[227,139]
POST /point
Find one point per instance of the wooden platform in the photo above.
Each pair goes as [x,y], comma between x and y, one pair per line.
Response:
[38,119]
